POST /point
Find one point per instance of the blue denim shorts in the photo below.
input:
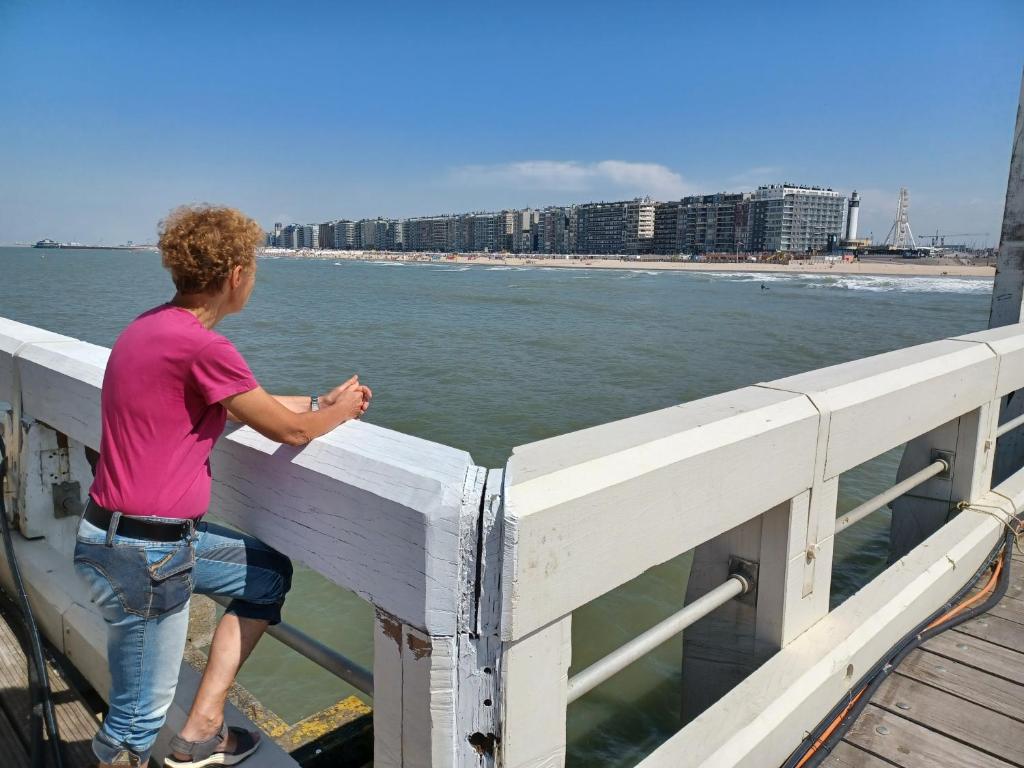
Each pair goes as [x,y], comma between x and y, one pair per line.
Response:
[142,590]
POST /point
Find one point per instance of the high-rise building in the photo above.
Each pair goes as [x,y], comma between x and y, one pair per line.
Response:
[394,239]
[615,228]
[789,217]
[307,235]
[368,234]
[666,227]
[714,223]
[638,236]
[553,230]
[601,228]
[486,231]
[344,234]
[326,235]
[287,237]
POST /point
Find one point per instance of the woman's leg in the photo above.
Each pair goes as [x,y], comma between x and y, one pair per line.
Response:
[147,624]
[257,578]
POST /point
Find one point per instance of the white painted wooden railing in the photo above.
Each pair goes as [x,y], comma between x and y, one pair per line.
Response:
[392,517]
[752,473]
[475,574]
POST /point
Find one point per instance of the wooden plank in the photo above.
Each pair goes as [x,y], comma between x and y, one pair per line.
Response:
[1008,634]
[846,755]
[373,510]
[901,394]
[76,721]
[910,745]
[387,685]
[535,673]
[13,337]
[60,385]
[953,716]
[588,511]
[1007,341]
[1011,610]
[14,753]
[980,687]
[428,700]
[979,654]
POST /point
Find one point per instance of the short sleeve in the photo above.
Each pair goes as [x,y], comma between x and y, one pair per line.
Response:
[220,371]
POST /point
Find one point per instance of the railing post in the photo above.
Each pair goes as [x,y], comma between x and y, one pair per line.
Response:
[968,444]
[535,679]
[793,581]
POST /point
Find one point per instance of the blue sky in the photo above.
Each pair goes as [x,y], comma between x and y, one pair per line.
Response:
[113,113]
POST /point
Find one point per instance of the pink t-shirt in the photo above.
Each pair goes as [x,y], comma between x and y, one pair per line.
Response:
[161,414]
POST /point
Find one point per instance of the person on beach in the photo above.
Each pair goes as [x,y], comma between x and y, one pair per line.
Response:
[143,547]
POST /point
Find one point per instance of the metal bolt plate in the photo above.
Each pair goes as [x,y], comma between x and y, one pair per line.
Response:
[883,730]
[67,499]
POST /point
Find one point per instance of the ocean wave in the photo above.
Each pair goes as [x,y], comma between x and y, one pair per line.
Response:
[899,284]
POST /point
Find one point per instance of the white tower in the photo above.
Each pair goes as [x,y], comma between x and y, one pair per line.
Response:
[900,236]
[852,213]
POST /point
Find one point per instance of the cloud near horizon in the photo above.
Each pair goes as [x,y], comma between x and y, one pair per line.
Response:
[603,178]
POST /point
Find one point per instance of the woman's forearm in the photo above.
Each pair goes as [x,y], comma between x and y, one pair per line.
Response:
[294,403]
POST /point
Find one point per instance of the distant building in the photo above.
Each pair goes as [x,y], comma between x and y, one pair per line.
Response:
[307,235]
[554,226]
[666,227]
[368,234]
[344,235]
[638,236]
[625,227]
[394,239]
[326,235]
[789,217]
[708,223]
[287,237]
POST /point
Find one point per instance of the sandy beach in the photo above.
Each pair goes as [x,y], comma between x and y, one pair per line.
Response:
[909,268]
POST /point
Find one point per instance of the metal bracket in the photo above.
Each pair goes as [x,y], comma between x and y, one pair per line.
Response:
[748,569]
[67,499]
[946,456]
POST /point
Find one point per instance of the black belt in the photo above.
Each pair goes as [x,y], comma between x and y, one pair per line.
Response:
[138,527]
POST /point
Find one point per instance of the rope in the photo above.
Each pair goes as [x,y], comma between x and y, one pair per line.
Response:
[1011,523]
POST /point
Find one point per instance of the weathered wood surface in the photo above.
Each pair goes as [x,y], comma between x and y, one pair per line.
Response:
[905,743]
[588,511]
[957,701]
[75,719]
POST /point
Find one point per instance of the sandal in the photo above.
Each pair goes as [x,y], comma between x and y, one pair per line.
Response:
[203,753]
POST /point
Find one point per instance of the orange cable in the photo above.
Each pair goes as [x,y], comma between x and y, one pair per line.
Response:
[832,726]
[985,591]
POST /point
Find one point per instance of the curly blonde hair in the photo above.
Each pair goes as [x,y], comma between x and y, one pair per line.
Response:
[201,244]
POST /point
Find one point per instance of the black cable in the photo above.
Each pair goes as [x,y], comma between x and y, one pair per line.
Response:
[42,711]
[870,682]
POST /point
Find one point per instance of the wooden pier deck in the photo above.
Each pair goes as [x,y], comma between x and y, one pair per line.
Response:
[76,718]
[957,701]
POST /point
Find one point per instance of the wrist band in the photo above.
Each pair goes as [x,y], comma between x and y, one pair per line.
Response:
[314,402]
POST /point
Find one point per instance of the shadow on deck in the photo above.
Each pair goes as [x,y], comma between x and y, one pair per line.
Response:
[77,716]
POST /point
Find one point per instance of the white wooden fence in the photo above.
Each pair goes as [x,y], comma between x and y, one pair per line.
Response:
[475,574]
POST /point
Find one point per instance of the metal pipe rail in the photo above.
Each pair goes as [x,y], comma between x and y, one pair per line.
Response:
[341,666]
[622,657]
[875,503]
[1012,424]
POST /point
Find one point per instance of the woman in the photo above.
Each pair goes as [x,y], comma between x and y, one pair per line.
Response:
[170,384]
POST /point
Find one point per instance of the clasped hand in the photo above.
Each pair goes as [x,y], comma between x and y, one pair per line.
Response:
[352,393]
